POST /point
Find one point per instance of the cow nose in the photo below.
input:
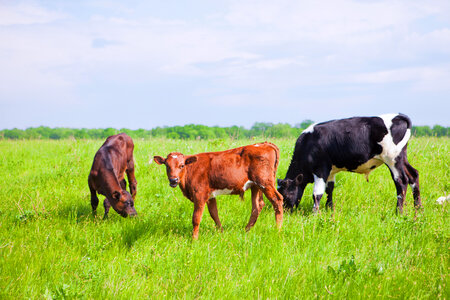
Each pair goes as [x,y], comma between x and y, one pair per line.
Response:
[173,180]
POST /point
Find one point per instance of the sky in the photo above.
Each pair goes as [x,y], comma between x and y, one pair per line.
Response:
[143,64]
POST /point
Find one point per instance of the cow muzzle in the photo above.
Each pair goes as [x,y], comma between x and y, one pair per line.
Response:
[174,181]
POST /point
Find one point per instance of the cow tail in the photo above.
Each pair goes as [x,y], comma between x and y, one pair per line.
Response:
[407,133]
[277,157]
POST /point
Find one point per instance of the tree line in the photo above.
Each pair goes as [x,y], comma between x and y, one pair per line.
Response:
[189,132]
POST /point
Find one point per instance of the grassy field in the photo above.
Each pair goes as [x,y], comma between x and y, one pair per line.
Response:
[52,247]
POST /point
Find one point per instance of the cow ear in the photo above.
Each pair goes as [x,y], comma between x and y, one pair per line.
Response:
[159,160]
[116,195]
[190,160]
[299,179]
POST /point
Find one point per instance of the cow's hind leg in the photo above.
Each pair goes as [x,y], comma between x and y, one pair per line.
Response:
[413,180]
[131,178]
[277,202]
[212,208]
[401,182]
[256,206]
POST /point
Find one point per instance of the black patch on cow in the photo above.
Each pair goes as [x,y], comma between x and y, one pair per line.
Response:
[399,126]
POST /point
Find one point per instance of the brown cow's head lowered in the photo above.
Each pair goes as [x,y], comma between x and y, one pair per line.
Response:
[123,203]
[175,163]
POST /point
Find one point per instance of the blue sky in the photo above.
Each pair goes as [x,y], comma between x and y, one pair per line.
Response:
[142,64]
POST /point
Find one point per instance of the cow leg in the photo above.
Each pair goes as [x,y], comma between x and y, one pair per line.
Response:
[107,206]
[256,207]
[401,182]
[199,207]
[329,191]
[212,208]
[261,200]
[277,202]
[319,189]
[123,184]
[131,178]
[94,198]
[413,180]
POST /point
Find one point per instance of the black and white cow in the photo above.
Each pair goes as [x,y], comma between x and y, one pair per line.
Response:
[358,144]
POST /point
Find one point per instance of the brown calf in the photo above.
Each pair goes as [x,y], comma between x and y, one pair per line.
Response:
[114,158]
[204,176]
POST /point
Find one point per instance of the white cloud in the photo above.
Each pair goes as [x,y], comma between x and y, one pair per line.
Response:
[249,51]
[422,78]
[25,14]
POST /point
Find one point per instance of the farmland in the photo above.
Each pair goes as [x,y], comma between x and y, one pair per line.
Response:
[51,245]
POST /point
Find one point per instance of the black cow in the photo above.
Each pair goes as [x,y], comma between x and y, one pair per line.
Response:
[358,144]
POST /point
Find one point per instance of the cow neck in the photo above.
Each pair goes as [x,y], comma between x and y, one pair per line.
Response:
[294,169]
[182,183]
[112,183]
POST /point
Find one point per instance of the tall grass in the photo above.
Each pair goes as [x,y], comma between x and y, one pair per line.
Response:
[52,247]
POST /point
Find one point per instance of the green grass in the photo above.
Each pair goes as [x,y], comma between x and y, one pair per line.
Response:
[52,247]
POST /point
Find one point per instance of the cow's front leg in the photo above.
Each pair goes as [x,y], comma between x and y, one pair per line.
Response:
[199,206]
[319,189]
[123,184]
[107,206]
[212,208]
[329,191]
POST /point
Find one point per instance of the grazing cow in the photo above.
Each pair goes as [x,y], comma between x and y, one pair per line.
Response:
[358,144]
[114,158]
[204,176]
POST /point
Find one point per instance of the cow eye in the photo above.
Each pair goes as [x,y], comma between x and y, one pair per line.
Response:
[182,166]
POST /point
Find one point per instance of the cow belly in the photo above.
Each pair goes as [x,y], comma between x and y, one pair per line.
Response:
[216,193]
[368,166]
[365,168]
[237,191]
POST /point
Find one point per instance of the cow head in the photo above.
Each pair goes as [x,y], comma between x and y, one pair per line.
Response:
[291,190]
[175,166]
[123,203]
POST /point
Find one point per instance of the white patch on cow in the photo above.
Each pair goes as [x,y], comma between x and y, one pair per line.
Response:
[174,156]
[256,145]
[443,199]
[319,186]
[310,129]
[247,185]
[387,119]
[220,192]
[413,186]
[390,149]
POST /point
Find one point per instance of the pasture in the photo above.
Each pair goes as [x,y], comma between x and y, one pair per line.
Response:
[52,247]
